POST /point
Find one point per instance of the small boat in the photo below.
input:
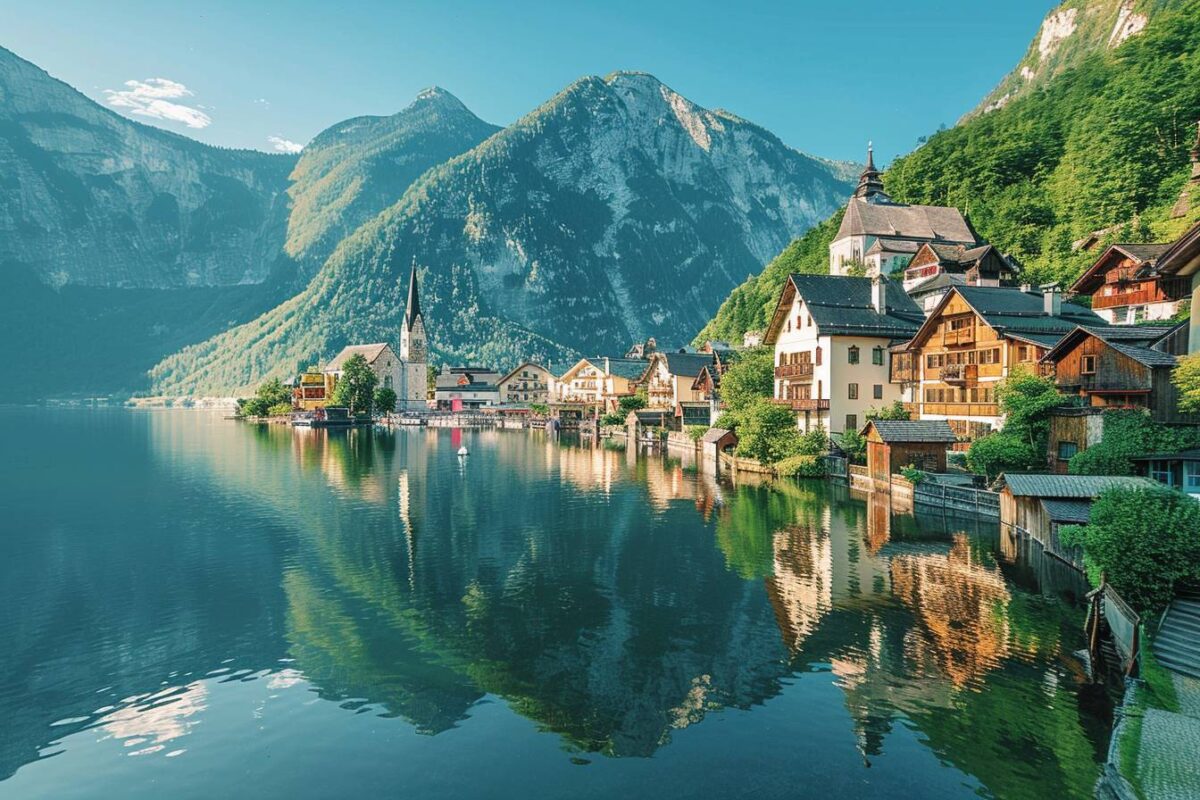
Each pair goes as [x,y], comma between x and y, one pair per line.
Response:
[462,451]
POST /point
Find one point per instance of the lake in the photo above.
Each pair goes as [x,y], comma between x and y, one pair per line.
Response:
[198,608]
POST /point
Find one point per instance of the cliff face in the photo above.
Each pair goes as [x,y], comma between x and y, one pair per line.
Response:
[617,210]
[89,198]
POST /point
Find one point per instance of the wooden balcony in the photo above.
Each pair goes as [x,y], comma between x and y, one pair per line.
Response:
[1133,297]
[961,409]
[801,370]
[803,404]
[960,374]
[951,338]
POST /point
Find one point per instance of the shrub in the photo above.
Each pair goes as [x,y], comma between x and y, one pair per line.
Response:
[541,409]
[612,418]
[279,410]
[814,442]
[912,474]
[696,432]
[767,433]
[801,466]
[1143,541]
[956,458]
[634,402]
[268,395]
[1001,452]
[1187,379]
[895,411]
[855,445]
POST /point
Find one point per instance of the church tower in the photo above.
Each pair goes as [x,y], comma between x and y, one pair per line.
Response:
[413,349]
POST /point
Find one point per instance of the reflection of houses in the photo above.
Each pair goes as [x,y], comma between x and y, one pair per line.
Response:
[831,336]
[1126,287]
[971,341]
[467,387]
[1119,366]
[528,383]
[882,235]
[963,609]
[801,583]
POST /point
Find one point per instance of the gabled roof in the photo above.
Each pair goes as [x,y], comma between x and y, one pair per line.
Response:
[628,368]
[1135,341]
[686,365]
[899,220]
[1014,313]
[885,244]
[1183,256]
[1068,486]
[522,365]
[896,431]
[841,306]
[940,282]
[713,435]
[1144,255]
[368,351]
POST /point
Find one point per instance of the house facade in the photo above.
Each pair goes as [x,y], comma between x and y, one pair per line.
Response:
[468,387]
[380,357]
[526,384]
[971,341]
[1182,260]
[598,382]
[983,265]
[831,337]
[1126,287]
[882,236]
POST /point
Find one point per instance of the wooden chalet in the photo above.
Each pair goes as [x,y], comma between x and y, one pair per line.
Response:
[1120,366]
[971,341]
[982,265]
[669,377]
[1126,286]
[893,445]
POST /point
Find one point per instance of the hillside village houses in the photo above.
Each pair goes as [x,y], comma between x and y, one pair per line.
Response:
[528,383]
[831,336]
[1126,287]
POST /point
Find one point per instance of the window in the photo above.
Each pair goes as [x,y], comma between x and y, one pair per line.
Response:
[878,391]
[1161,472]
[1087,365]
[799,322]
[877,356]
[851,422]
[1066,450]
[852,354]
[853,391]
[818,361]
[1191,477]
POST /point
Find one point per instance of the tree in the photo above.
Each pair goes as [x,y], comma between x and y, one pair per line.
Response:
[1026,400]
[270,397]
[855,445]
[355,389]
[634,402]
[767,432]
[895,411]
[385,400]
[1001,452]
[1187,378]
[1143,541]
[749,379]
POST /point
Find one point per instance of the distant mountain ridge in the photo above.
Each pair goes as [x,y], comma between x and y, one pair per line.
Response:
[616,210]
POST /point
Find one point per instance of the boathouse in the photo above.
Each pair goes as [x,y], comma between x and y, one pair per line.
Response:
[895,444]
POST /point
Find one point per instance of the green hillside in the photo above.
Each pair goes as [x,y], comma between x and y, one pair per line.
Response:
[1104,145]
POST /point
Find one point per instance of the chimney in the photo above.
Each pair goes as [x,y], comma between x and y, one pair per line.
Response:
[879,294]
[1051,300]
[607,371]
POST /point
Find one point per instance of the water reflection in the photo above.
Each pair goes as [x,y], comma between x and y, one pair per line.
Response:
[613,600]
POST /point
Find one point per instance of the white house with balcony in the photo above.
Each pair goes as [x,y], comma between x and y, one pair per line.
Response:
[831,336]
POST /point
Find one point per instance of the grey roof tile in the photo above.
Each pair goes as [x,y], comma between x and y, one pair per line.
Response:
[1077,486]
[894,431]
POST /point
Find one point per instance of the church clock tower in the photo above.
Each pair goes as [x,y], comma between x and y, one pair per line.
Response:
[413,349]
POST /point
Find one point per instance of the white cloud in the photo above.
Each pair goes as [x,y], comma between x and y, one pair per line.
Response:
[281,145]
[154,98]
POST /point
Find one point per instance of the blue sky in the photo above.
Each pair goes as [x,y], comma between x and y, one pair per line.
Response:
[825,77]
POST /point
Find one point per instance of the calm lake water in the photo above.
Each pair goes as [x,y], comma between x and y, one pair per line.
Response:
[196,608]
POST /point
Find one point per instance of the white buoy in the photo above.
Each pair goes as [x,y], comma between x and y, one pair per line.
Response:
[462,451]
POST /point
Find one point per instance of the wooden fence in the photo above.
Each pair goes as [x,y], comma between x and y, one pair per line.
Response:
[958,498]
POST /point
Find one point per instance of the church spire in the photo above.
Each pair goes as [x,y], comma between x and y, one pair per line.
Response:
[870,184]
[412,308]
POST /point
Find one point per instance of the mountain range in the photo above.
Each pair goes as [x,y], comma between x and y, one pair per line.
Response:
[140,260]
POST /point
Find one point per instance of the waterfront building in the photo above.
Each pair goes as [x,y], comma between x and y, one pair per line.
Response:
[970,342]
[1121,366]
[708,382]
[1178,470]
[466,387]
[881,235]
[525,384]
[831,336]
[598,383]
[1126,287]
[312,390]
[1182,260]
[669,378]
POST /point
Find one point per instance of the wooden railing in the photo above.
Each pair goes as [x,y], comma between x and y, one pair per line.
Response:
[1135,297]
[803,404]
[962,409]
[960,336]
[801,370]
[959,373]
